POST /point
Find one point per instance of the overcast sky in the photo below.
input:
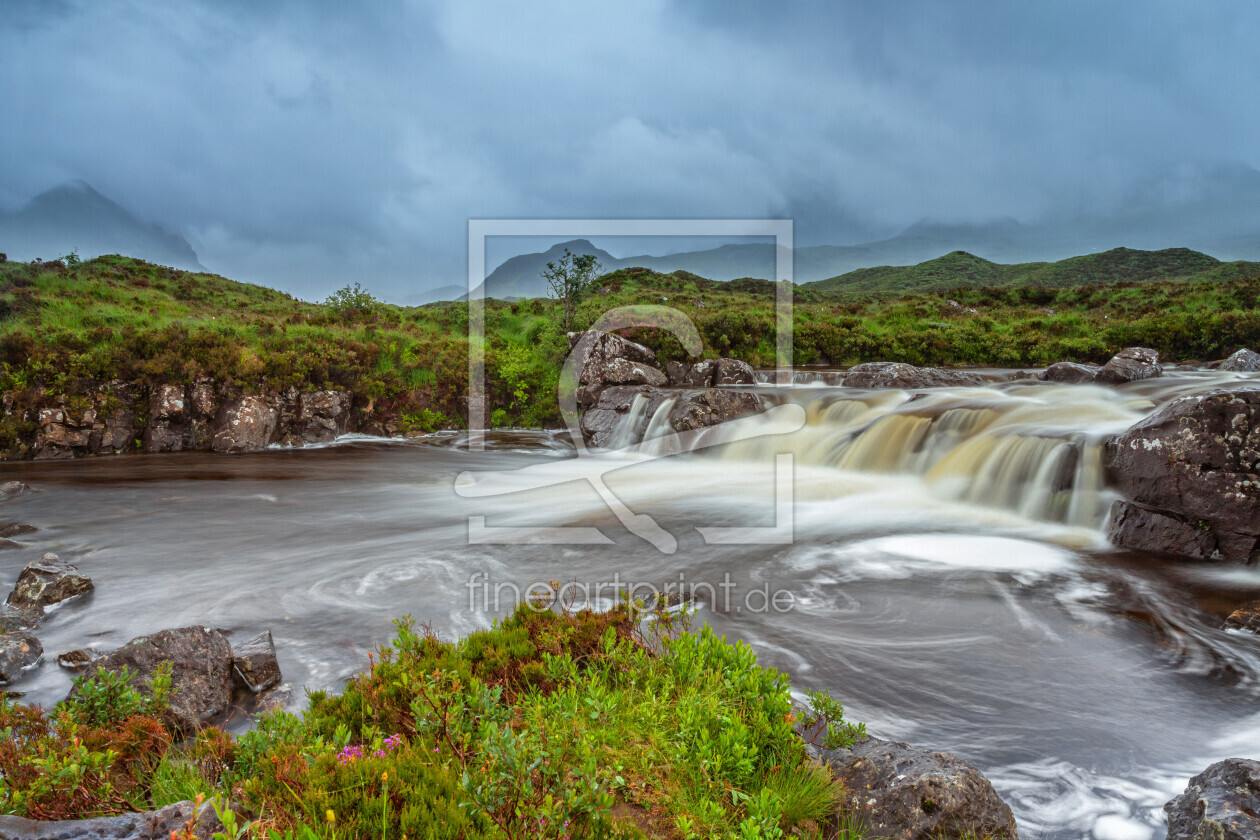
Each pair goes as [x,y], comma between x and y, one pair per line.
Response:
[303,143]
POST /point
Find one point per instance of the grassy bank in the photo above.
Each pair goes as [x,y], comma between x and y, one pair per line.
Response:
[551,724]
[64,327]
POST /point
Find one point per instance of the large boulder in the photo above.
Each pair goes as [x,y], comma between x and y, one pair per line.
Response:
[254,663]
[1131,365]
[48,581]
[1221,803]
[146,825]
[600,423]
[691,374]
[1072,372]
[1243,361]
[903,793]
[246,424]
[201,672]
[1191,475]
[605,359]
[322,416]
[733,372]
[18,652]
[711,407]
[900,375]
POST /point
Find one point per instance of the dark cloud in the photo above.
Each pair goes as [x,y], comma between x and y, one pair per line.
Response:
[304,144]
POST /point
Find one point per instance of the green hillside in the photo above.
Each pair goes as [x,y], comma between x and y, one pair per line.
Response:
[963,270]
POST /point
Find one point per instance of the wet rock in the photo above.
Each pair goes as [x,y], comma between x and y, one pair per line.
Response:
[201,675]
[603,359]
[246,424]
[898,375]
[12,618]
[18,652]
[1195,461]
[1072,372]
[12,488]
[1244,361]
[626,372]
[47,581]
[273,699]
[733,372]
[146,825]
[61,433]
[600,423]
[1221,803]
[905,793]
[1131,365]
[691,375]
[255,663]
[77,660]
[323,416]
[6,544]
[16,530]
[711,407]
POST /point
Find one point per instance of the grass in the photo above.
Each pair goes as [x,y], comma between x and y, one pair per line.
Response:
[551,724]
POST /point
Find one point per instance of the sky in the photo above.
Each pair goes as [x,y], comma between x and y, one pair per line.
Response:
[305,144]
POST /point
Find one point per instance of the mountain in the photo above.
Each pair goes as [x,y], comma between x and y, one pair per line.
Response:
[960,269]
[521,276]
[75,217]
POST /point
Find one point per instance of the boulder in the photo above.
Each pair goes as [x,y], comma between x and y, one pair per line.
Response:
[322,416]
[899,375]
[691,375]
[1131,365]
[1191,471]
[246,424]
[608,359]
[77,660]
[165,430]
[16,530]
[1244,361]
[12,618]
[733,372]
[255,664]
[201,675]
[145,825]
[600,423]
[13,488]
[626,372]
[903,793]
[18,652]
[6,544]
[1221,803]
[711,407]
[1070,372]
[48,581]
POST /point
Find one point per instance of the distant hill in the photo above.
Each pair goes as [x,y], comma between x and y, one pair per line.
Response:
[75,217]
[961,269]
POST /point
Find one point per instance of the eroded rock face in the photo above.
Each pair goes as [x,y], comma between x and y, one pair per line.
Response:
[201,675]
[691,374]
[898,375]
[1244,361]
[254,663]
[1070,372]
[605,359]
[599,424]
[1221,803]
[13,619]
[47,581]
[1191,472]
[733,372]
[1131,365]
[18,652]
[246,424]
[905,793]
[322,416]
[711,407]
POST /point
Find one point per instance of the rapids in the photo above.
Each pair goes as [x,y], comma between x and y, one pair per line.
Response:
[947,576]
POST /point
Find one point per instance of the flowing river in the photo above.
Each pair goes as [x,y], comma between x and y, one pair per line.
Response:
[948,577]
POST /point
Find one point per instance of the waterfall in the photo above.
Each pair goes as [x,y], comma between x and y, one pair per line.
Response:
[627,430]
[658,428]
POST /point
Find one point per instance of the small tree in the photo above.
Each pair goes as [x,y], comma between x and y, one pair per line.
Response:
[349,299]
[570,279]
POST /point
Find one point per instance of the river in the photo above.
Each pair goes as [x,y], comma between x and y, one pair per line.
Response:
[947,578]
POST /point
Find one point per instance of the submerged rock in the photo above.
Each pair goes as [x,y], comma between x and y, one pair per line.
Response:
[255,663]
[899,375]
[48,581]
[16,529]
[904,793]
[18,652]
[1191,472]
[1131,365]
[1221,803]
[13,488]
[201,674]
[77,660]
[1072,372]
[1243,361]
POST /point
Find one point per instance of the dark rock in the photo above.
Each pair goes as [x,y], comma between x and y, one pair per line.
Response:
[1132,525]
[4,544]
[1196,461]
[18,652]
[691,375]
[322,416]
[733,372]
[146,825]
[47,581]
[603,359]
[1070,372]
[12,618]
[1244,361]
[255,663]
[1246,617]
[77,660]
[711,407]
[600,423]
[246,424]
[1221,803]
[12,488]
[626,372]
[904,793]
[165,429]
[898,375]
[273,699]
[1131,365]
[16,530]
[201,675]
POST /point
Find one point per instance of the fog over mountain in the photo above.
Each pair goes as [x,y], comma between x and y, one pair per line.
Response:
[307,145]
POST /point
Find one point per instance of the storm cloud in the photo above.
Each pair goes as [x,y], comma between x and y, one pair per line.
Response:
[307,144]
